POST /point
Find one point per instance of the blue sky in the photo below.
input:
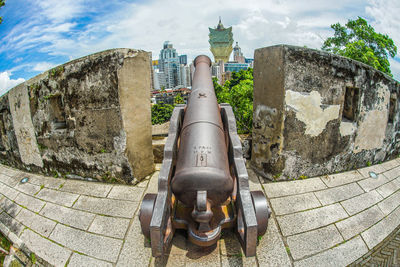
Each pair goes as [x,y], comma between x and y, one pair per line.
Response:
[39,34]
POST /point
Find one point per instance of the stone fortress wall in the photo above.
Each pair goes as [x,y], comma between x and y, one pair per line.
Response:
[88,118]
[317,113]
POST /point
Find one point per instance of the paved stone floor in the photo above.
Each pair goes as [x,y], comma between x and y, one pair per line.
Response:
[332,220]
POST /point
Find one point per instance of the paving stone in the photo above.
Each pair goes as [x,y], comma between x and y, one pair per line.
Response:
[9,192]
[372,183]
[79,260]
[27,188]
[397,181]
[109,226]
[339,193]
[58,197]
[103,206]
[293,187]
[8,180]
[271,250]
[307,220]
[393,173]
[12,224]
[341,255]
[168,261]
[387,189]
[390,164]
[124,192]
[179,243]
[361,202]
[144,182]
[29,202]
[378,168]
[291,204]
[390,203]
[68,216]
[100,247]
[136,250]
[9,171]
[10,207]
[308,243]
[374,235]
[334,180]
[356,224]
[48,182]
[235,261]
[153,183]
[86,188]
[254,182]
[229,244]
[36,222]
[45,249]
[203,256]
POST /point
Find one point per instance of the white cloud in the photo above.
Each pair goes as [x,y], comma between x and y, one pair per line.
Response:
[6,83]
[43,66]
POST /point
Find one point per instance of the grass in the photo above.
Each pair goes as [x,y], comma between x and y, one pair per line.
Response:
[5,244]
[33,258]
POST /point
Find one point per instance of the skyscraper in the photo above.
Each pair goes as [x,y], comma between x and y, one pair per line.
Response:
[169,64]
[221,40]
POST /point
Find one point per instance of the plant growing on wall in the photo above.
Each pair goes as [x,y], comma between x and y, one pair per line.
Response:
[2,3]
[358,40]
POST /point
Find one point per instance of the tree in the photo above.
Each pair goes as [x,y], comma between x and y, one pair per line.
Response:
[178,99]
[358,40]
[2,3]
[161,113]
[238,92]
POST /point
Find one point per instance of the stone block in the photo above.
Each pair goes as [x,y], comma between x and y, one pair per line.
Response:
[202,256]
[9,180]
[291,204]
[390,203]
[28,188]
[78,260]
[342,255]
[237,261]
[36,222]
[110,207]
[58,197]
[12,224]
[336,194]
[136,250]
[10,207]
[48,182]
[9,192]
[109,226]
[229,244]
[310,219]
[393,173]
[361,202]
[391,164]
[334,180]
[377,168]
[271,251]
[86,188]
[45,249]
[153,183]
[293,187]
[387,189]
[372,183]
[100,247]
[354,225]
[29,202]
[378,232]
[72,217]
[312,242]
[123,192]
[168,261]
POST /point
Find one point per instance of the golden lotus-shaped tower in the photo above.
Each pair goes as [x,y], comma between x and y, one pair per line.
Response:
[221,40]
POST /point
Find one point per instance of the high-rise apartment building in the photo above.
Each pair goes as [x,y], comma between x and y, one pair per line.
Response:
[169,64]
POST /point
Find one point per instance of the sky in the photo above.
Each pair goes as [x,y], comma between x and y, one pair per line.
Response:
[37,35]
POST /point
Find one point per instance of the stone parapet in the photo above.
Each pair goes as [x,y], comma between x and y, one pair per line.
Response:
[88,118]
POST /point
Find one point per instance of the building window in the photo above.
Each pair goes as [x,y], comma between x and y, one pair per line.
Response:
[351,101]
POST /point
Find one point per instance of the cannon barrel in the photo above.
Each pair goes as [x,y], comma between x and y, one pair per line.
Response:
[202,162]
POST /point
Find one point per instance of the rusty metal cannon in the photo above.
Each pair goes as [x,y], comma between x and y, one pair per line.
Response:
[203,182]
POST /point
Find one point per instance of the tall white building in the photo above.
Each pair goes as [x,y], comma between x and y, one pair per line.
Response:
[169,64]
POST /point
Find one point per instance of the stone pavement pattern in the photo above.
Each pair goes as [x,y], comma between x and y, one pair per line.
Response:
[332,220]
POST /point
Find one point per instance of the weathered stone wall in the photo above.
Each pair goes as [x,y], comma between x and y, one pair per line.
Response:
[317,113]
[89,117]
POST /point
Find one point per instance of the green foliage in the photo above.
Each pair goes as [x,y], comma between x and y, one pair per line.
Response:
[178,99]
[2,3]
[161,113]
[358,40]
[56,71]
[33,258]
[238,92]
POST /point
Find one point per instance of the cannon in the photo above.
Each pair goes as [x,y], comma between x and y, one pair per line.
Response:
[203,182]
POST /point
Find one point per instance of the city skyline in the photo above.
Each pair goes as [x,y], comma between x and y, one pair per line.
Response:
[45,33]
